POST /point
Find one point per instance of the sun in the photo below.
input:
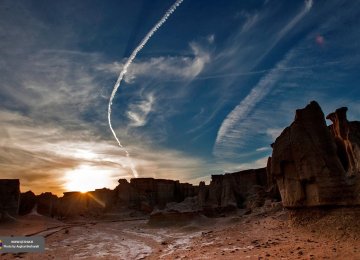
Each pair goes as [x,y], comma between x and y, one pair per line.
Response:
[87,178]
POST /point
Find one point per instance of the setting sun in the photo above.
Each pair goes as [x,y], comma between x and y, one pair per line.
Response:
[87,178]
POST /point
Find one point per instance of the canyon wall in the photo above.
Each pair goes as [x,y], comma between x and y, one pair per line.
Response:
[233,189]
[147,193]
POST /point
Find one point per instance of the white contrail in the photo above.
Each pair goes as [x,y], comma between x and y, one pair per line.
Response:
[307,7]
[128,63]
[228,130]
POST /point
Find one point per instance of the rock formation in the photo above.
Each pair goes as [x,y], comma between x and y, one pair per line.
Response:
[347,139]
[232,189]
[147,193]
[72,204]
[27,202]
[9,198]
[91,203]
[314,165]
[47,204]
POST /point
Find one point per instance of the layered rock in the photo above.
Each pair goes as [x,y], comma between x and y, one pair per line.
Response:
[9,198]
[233,189]
[347,139]
[147,193]
[308,162]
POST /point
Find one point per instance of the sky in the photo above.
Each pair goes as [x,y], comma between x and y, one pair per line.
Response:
[207,94]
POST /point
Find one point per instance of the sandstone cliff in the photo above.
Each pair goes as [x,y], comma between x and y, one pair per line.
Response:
[314,165]
[147,193]
[233,189]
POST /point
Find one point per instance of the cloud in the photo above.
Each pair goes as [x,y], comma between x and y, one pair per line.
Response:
[230,130]
[289,26]
[233,167]
[164,67]
[62,83]
[274,132]
[250,20]
[139,111]
[43,155]
[211,38]
[262,149]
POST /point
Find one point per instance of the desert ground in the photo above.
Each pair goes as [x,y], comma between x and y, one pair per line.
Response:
[267,233]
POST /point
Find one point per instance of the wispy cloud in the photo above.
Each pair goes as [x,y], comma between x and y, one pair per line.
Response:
[164,67]
[139,111]
[40,155]
[262,149]
[230,131]
[290,25]
[274,132]
[250,20]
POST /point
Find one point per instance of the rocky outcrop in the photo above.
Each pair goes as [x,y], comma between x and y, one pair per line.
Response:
[47,204]
[27,202]
[232,189]
[72,204]
[203,194]
[91,203]
[100,200]
[147,193]
[347,139]
[312,164]
[9,198]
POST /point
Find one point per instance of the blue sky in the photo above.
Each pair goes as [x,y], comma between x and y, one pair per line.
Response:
[208,93]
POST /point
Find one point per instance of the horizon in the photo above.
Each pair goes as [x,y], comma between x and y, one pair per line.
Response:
[207,94]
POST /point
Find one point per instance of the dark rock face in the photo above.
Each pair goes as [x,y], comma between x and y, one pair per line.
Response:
[72,204]
[27,202]
[203,194]
[100,200]
[91,203]
[147,193]
[47,204]
[232,189]
[9,198]
[307,162]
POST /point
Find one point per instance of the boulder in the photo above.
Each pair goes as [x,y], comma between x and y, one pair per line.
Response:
[306,165]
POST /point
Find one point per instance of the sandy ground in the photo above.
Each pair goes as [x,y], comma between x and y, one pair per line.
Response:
[265,234]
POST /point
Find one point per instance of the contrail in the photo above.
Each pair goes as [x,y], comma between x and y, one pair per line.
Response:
[228,132]
[128,63]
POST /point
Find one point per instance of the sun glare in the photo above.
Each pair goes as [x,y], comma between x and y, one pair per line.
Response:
[87,178]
